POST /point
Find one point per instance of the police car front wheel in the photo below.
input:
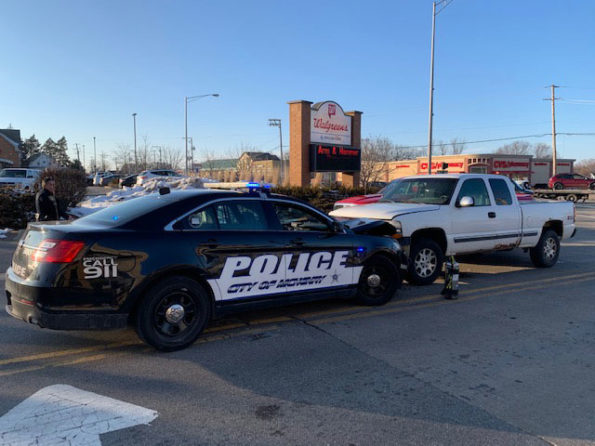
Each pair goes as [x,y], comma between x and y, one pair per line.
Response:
[378,282]
[173,314]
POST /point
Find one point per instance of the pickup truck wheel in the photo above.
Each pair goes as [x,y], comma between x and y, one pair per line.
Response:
[173,314]
[378,281]
[558,186]
[425,262]
[592,186]
[545,253]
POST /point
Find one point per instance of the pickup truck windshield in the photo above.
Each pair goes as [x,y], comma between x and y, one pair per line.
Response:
[422,190]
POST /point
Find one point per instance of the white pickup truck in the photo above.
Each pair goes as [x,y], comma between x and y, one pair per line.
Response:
[441,215]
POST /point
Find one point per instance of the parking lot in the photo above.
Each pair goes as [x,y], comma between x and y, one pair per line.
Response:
[509,362]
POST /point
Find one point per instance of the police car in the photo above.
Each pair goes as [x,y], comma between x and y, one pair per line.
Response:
[169,262]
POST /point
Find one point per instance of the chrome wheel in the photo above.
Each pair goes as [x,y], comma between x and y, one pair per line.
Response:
[550,249]
[425,263]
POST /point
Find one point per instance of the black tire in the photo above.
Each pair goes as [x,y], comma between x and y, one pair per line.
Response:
[558,186]
[173,298]
[425,262]
[378,281]
[572,197]
[545,253]
[592,186]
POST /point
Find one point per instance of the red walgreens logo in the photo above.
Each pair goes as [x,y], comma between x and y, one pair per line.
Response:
[332,110]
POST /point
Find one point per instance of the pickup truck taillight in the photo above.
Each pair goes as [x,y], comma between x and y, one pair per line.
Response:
[56,251]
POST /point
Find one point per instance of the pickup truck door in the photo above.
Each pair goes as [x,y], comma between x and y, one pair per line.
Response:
[474,228]
[508,214]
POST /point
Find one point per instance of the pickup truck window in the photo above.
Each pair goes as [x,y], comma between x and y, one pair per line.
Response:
[476,189]
[501,192]
[422,190]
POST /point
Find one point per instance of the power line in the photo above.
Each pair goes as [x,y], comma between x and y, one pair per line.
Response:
[481,141]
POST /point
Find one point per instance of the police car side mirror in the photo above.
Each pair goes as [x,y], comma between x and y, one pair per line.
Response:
[337,227]
[466,202]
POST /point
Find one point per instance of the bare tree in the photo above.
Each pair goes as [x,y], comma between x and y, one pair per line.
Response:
[586,167]
[542,150]
[172,157]
[457,146]
[515,148]
[376,154]
[124,158]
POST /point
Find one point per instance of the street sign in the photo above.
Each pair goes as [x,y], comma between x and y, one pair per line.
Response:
[62,414]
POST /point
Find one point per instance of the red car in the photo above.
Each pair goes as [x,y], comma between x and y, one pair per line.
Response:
[358,200]
[571,181]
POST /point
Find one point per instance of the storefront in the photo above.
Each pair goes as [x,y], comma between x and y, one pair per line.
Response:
[518,167]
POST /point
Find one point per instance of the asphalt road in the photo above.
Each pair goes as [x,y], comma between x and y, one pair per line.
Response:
[510,362]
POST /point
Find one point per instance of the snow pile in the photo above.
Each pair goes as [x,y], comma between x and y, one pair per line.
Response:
[3,232]
[98,202]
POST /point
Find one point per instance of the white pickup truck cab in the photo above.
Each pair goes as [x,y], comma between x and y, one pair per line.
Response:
[441,215]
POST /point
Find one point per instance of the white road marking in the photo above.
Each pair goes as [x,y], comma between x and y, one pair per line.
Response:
[62,414]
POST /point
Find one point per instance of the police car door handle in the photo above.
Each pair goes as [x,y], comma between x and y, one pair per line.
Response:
[492,214]
[297,241]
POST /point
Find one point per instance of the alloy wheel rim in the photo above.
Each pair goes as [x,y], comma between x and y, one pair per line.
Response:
[550,248]
[425,262]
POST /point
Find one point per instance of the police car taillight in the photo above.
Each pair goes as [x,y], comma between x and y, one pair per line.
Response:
[56,251]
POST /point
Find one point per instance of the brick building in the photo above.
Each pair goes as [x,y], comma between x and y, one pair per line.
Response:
[10,142]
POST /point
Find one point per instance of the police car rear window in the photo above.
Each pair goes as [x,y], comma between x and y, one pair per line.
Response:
[128,210]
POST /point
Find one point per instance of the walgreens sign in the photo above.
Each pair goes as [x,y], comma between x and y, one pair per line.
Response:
[329,124]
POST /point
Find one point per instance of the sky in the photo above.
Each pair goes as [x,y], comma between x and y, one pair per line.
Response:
[79,69]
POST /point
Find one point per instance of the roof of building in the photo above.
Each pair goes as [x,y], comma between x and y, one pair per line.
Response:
[261,156]
[229,163]
[12,136]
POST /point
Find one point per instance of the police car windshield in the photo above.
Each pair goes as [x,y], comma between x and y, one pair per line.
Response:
[121,213]
[421,190]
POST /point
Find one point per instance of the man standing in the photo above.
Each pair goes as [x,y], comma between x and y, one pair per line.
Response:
[45,201]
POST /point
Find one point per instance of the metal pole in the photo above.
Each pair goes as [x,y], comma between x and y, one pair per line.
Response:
[431,90]
[84,168]
[554,156]
[135,159]
[94,156]
[282,170]
[186,133]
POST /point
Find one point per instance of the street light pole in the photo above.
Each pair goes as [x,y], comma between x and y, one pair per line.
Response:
[94,156]
[434,14]
[186,100]
[274,122]
[135,159]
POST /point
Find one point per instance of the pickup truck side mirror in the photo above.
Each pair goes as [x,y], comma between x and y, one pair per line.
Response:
[466,202]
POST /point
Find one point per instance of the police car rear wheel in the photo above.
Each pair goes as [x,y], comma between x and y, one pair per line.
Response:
[173,314]
[378,282]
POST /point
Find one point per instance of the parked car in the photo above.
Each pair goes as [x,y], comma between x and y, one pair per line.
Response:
[170,261]
[154,173]
[128,181]
[109,178]
[19,178]
[442,215]
[571,181]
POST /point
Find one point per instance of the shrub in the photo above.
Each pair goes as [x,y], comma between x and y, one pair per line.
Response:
[16,209]
[321,197]
[71,185]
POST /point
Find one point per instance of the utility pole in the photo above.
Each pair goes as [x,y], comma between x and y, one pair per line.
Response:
[84,162]
[431,89]
[444,4]
[135,159]
[274,122]
[94,156]
[554,155]
[76,146]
